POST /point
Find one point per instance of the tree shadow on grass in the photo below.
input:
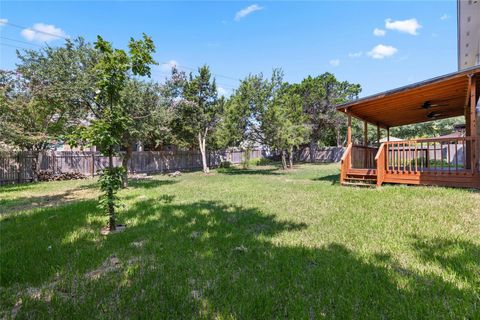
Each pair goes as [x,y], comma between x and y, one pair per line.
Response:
[456,256]
[252,171]
[208,259]
[332,178]
[45,201]
[149,183]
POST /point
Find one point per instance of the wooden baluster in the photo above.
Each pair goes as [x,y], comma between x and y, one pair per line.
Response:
[435,156]
[388,158]
[422,160]
[441,155]
[456,156]
[464,155]
[448,155]
[416,158]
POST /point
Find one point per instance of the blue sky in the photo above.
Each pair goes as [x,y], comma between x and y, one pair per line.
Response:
[414,40]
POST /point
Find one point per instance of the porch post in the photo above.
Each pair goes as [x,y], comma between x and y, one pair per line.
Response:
[349,129]
[388,134]
[365,143]
[365,133]
[473,123]
[378,135]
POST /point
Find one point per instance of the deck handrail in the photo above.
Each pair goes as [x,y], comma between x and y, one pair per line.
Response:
[380,164]
[347,151]
[441,155]
[345,163]
[438,139]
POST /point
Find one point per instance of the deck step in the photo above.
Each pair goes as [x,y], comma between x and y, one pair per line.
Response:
[359,184]
[363,178]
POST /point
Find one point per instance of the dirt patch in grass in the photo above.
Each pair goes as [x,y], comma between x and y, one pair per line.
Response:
[53,199]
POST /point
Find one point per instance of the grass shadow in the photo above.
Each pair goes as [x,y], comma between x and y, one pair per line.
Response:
[251,171]
[149,183]
[209,259]
[332,178]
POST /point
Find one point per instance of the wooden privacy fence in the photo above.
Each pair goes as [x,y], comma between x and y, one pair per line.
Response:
[17,167]
[325,154]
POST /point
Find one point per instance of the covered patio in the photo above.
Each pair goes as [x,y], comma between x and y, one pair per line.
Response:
[446,161]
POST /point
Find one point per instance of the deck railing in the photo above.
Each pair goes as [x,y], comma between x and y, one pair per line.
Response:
[434,155]
[345,163]
[363,157]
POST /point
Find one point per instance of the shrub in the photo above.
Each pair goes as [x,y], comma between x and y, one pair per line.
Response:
[225,164]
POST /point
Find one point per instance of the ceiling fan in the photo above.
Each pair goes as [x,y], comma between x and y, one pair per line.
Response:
[429,104]
[434,115]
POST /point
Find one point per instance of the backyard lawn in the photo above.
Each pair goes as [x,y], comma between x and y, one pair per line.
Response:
[241,244]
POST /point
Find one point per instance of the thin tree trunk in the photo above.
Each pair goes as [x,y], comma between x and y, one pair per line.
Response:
[202,143]
[313,151]
[111,207]
[284,160]
[125,160]
[290,157]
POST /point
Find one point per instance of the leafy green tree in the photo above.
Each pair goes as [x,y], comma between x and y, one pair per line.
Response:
[148,116]
[244,112]
[284,125]
[197,110]
[110,121]
[319,97]
[46,95]
[27,121]
[427,129]
[267,112]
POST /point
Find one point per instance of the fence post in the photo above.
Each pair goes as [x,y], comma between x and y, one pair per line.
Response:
[18,167]
[92,166]
[53,162]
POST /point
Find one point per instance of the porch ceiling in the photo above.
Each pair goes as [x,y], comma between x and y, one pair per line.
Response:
[433,99]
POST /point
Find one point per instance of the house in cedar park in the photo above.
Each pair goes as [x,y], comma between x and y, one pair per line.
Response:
[451,160]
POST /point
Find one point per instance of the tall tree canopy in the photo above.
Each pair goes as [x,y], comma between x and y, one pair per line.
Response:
[197,109]
[267,112]
[319,97]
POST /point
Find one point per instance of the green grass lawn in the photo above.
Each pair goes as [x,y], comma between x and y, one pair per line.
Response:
[241,244]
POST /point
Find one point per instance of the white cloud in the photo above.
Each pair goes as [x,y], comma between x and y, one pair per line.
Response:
[43,33]
[379,32]
[246,11]
[409,26]
[334,62]
[3,22]
[168,66]
[382,51]
[444,17]
[223,92]
[355,54]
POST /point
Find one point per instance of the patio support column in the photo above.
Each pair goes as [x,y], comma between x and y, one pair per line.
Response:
[365,133]
[388,134]
[349,129]
[378,135]
[365,143]
[473,122]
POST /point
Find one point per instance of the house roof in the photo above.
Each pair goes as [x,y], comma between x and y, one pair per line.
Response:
[433,99]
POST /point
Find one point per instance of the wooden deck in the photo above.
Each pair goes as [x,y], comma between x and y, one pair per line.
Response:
[440,162]
[444,161]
